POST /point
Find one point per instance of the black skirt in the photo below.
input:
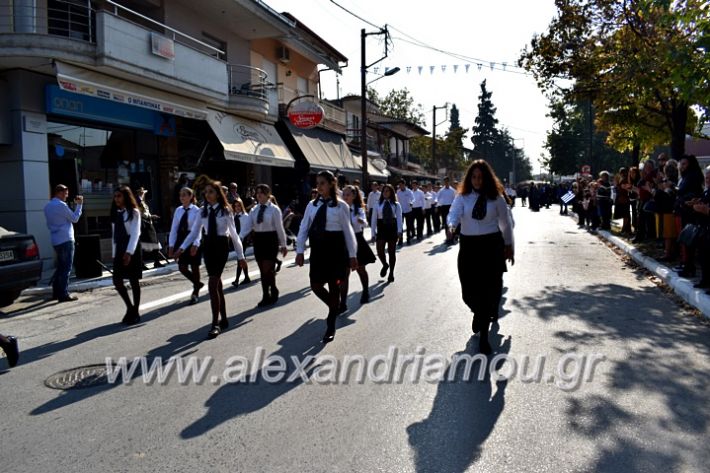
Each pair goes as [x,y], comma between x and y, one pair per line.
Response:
[481,264]
[365,255]
[329,258]
[134,269]
[266,246]
[387,231]
[215,251]
[186,259]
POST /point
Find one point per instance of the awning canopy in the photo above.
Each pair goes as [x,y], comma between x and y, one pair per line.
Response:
[84,81]
[413,174]
[249,141]
[324,150]
[372,170]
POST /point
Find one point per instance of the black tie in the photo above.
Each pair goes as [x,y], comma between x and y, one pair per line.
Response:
[260,215]
[317,229]
[182,227]
[212,223]
[479,209]
[387,211]
[238,224]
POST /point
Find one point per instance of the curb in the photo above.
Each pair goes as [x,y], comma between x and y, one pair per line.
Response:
[681,286]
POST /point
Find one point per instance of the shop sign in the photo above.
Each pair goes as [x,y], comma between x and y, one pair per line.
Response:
[162,46]
[306,114]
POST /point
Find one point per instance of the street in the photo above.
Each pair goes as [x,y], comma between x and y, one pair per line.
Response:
[642,407]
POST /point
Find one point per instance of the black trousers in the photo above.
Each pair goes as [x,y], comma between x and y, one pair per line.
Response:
[436,219]
[418,215]
[427,218]
[409,218]
[443,214]
[481,264]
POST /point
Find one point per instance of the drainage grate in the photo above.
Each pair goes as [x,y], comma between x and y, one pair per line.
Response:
[78,378]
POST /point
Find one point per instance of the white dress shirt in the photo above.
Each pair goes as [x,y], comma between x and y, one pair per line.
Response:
[378,214]
[337,220]
[358,219]
[497,217]
[419,200]
[372,199]
[273,221]
[192,216]
[446,196]
[225,227]
[133,229]
[244,224]
[428,200]
[405,198]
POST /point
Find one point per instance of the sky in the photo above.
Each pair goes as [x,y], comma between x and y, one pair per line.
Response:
[482,31]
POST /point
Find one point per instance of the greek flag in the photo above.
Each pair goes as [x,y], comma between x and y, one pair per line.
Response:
[568,197]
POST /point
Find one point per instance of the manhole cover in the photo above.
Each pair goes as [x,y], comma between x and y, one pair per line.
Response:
[77,378]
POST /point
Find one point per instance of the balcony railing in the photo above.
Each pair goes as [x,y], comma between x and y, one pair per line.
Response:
[248,81]
[71,19]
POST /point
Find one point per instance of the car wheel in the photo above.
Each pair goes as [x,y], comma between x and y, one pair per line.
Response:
[7,298]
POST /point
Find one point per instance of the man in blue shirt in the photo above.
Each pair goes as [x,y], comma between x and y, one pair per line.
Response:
[60,220]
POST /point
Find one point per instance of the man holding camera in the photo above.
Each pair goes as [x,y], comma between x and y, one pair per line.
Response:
[60,220]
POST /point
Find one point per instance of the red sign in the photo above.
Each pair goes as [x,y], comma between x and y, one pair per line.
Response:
[586,170]
[306,114]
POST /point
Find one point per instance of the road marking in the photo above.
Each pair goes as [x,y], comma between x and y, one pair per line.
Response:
[184,295]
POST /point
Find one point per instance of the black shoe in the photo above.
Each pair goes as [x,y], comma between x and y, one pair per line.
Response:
[274,296]
[343,308]
[12,352]
[214,332]
[194,299]
[68,299]
[133,318]
[391,278]
[246,280]
[474,327]
[224,324]
[484,347]
[365,297]
[235,283]
[383,271]
[278,265]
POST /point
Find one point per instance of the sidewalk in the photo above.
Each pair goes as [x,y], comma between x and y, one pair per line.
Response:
[682,287]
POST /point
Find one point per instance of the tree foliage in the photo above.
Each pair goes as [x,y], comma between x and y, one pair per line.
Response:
[643,63]
[400,104]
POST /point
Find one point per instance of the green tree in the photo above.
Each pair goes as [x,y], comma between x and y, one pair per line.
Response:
[400,104]
[641,62]
[486,135]
[454,122]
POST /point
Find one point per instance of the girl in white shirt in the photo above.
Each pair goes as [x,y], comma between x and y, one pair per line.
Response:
[127,257]
[386,227]
[242,222]
[326,223]
[486,243]
[269,237]
[365,256]
[218,224]
[184,219]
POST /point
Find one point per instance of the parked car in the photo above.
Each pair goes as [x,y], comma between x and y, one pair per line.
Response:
[20,266]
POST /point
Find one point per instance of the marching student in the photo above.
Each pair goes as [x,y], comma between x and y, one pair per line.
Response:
[242,223]
[386,225]
[444,198]
[418,204]
[269,238]
[486,243]
[428,208]
[218,224]
[183,220]
[326,224]
[127,256]
[405,197]
[372,198]
[365,256]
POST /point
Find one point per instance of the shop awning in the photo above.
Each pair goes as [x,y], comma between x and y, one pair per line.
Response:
[84,81]
[324,150]
[372,170]
[249,141]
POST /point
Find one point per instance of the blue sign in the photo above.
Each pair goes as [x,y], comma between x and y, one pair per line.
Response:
[60,102]
[164,124]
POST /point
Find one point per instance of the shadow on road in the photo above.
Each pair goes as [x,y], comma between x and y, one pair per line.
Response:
[663,366]
[462,417]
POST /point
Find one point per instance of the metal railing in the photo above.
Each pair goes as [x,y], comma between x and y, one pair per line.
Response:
[249,81]
[71,19]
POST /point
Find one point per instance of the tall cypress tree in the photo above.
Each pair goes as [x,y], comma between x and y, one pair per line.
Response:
[454,122]
[486,136]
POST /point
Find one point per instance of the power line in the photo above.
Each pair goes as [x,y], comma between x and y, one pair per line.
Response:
[354,14]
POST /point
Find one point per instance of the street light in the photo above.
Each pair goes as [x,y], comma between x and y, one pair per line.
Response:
[389,72]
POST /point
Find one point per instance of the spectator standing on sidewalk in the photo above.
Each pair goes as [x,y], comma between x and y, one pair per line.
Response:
[622,201]
[646,185]
[690,186]
[604,200]
[60,219]
[664,196]
[701,207]
[632,181]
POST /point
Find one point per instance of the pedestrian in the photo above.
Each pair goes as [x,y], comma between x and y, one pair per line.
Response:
[326,224]
[646,206]
[444,199]
[701,207]
[365,256]
[634,177]
[150,245]
[428,208]
[405,197]
[232,194]
[217,226]
[435,217]
[242,222]
[622,203]
[8,344]
[269,237]
[127,255]
[386,225]
[184,219]
[372,198]
[604,200]
[60,219]
[486,243]
[690,186]
[418,203]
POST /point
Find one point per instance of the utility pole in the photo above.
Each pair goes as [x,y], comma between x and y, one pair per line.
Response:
[363,107]
[433,137]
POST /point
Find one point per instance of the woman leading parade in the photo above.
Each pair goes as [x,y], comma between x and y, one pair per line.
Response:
[486,243]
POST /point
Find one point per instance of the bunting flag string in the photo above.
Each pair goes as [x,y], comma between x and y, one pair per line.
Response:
[453,68]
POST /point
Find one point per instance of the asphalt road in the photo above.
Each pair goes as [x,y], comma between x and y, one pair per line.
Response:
[641,406]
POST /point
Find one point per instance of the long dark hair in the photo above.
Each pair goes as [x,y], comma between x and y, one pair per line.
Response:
[221,199]
[357,201]
[492,187]
[393,194]
[693,166]
[129,202]
[330,177]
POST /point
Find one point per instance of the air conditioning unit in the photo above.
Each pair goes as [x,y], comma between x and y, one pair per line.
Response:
[283,54]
